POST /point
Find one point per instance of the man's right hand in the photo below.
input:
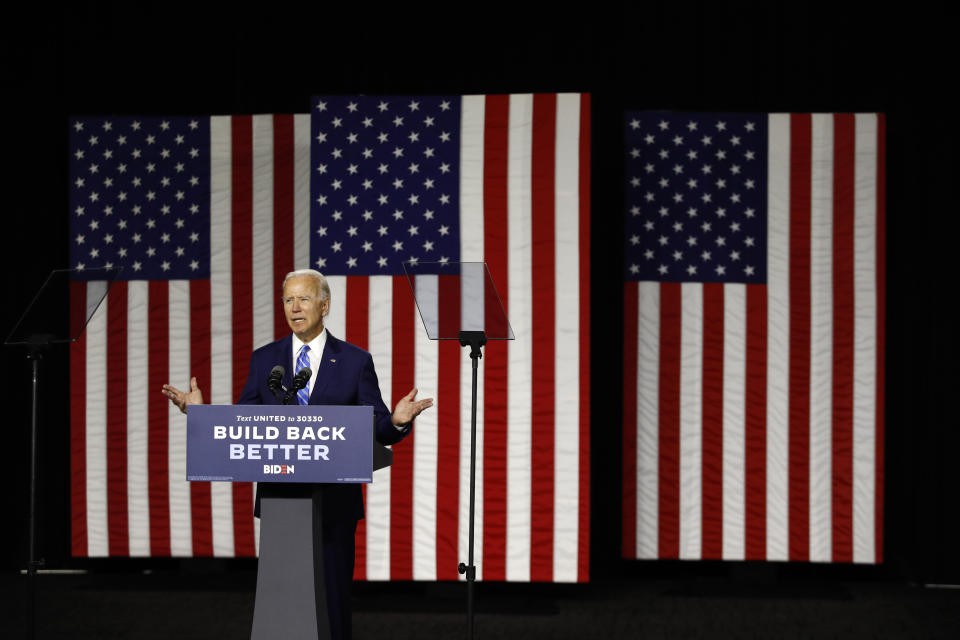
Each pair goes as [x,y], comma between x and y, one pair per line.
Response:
[182,398]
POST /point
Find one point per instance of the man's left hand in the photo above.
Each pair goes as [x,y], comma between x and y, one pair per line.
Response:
[409,408]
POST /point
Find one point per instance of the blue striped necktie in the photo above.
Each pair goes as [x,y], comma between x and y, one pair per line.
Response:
[303,360]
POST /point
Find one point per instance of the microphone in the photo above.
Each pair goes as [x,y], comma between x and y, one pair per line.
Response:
[299,382]
[273,381]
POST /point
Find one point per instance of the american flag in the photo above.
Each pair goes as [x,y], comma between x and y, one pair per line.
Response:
[754,334]
[496,179]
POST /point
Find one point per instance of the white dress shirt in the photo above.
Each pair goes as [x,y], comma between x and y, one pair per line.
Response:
[315,354]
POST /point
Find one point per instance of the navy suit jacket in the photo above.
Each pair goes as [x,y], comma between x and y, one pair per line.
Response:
[345,376]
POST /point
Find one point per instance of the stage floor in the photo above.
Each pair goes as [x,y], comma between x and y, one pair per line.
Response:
[182,605]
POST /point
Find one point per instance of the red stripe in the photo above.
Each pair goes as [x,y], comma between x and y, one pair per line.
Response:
[117,516]
[495,150]
[755,449]
[799,375]
[448,435]
[583,572]
[668,534]
[401,475]
[712,417]
[78,422]
[881,267]
[242,299]
[158,443]
[630,339]
[357,333]
[200,516]
[543,346]
[844,151]
[283,190]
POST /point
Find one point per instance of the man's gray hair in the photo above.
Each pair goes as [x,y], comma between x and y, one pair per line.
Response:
[322,287]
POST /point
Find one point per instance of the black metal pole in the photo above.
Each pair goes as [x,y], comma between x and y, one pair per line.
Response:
[475,340]
[33,563]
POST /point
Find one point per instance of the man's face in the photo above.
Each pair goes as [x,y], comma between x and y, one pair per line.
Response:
[303,308]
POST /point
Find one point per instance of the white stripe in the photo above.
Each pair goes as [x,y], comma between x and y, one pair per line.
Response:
[264,290]
[778,336]
[691,420]
[96,426]
[566,472]
[426,362]
[138,499]
[220,385]
[472,115]
[181,538]
[336,320]
[519,357]
[378,492]
[734,419]
[301,191]
[865,340]
[471,250]
[648,419]
[821,337]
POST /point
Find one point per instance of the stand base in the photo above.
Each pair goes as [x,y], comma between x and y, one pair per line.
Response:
[291,597]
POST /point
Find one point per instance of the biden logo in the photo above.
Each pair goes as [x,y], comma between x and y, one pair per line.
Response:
[273,469]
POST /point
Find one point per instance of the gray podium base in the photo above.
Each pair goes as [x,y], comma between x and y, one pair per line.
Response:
[291,600]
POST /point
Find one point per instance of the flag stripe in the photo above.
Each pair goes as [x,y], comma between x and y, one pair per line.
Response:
[138,500]
[178,345]
[495,189]
[583,354]
[778,337]
[755,404]
[690,422]
[843,337]
[881,282]
[519,289]
[734,420]
[241,244]
[668,517]
[378,505]
[820,340]
[424,473]
[78,424]
[222,366]
[158,456]
[543,348]
[357,302]
[401,480]
[799,364]
[283,203]
[713,427]
[447,406]
[200,515]
[116,383]
[630,509]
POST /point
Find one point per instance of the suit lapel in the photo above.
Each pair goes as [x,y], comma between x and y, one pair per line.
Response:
[327,369]
[286,358]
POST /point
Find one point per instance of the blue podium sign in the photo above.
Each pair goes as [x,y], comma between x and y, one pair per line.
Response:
[279,443]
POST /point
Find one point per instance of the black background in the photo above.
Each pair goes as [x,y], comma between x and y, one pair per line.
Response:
[171,58]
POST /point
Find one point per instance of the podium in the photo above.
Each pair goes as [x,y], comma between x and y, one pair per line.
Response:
[294,453]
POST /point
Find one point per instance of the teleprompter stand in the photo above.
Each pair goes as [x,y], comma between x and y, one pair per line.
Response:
[458,301]
[43,325]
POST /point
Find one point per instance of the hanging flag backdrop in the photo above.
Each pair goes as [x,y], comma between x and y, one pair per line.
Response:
[754,333]
[206,215]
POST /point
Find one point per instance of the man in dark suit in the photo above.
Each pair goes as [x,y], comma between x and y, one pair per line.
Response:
[342,374]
